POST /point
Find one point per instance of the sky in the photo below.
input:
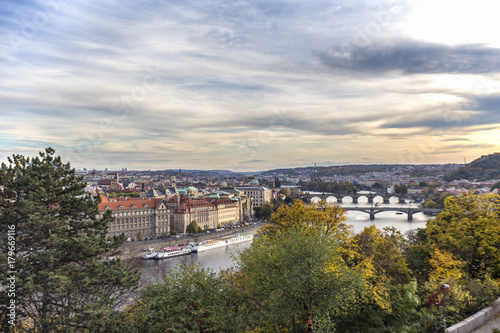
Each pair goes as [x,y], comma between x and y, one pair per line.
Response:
[249,85]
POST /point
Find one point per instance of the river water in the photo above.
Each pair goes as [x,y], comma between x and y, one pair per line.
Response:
[223,258]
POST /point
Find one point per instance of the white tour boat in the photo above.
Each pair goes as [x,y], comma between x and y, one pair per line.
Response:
[221,242]
[172,251]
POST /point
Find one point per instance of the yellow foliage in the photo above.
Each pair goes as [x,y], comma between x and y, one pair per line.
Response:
[444,267]
[323,217]
[378,291]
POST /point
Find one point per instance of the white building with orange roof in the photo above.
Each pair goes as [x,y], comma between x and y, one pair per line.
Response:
[147,216]
[201,211]
[227,211]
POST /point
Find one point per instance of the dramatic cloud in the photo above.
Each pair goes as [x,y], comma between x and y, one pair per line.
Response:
[412,57]
[243,84]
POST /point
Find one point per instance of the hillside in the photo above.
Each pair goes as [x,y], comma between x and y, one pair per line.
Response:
[357,170]
[484,168]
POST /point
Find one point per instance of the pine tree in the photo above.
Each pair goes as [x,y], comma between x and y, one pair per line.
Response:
[64,281]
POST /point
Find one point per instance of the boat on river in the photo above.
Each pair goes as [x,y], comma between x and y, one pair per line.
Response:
[221,242]
[167,252]
[149,256]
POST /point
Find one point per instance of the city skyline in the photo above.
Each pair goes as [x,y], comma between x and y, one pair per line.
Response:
[249,85]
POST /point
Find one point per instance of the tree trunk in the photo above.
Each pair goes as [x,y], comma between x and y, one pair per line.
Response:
[309,322]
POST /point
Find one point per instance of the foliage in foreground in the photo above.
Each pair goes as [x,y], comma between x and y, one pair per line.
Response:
[304,272]
[63,283]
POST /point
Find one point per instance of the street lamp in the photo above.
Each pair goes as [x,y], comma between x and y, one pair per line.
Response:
[444,287]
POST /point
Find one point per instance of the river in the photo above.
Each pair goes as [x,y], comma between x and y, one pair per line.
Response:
[223,258]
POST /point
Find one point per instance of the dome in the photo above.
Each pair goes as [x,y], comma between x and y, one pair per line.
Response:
[255,182]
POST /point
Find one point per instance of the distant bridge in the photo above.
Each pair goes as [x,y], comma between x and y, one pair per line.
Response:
[409,211]
[340,197]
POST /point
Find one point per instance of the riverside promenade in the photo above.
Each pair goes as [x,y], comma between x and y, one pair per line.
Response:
[136,249]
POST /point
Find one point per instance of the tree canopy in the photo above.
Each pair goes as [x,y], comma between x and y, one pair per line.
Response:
[193,228]
[64,281]
[469,230]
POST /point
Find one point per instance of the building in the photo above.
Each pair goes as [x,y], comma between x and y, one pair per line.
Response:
[228,211]
[159,192]
[147,216]
[110,183]
[203,212]
[259,195]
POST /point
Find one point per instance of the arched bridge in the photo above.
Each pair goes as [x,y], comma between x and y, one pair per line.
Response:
[370,198]
[407,210]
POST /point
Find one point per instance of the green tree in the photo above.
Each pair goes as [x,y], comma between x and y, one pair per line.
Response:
[495,186]
[193,228]
[190,299]
[297,279]
[264,212]
[417,254]
[284,191]
[288,199]
[63,282]
[469,230]
[429,203]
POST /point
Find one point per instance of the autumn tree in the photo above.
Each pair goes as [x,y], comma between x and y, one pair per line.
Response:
[391,301]
[324,217]
[469,230]
[296,279]
[63,282]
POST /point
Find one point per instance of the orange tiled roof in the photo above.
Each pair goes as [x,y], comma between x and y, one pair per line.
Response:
[187,206]
[104,198]
[130,204]
[223,202]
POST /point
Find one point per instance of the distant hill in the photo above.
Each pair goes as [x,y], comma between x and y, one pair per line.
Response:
[213,173]
[484,168]
[357,170]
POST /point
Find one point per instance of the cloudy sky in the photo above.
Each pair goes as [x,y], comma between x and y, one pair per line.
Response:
[249,85]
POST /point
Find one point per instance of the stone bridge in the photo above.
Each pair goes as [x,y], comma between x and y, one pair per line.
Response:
[409,211]
[380,197]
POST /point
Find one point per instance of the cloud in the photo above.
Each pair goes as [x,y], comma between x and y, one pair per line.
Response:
[415,57]
[238,83]
[474,111]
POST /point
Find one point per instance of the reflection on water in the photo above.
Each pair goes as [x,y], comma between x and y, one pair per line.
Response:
[216,260]
[359,220]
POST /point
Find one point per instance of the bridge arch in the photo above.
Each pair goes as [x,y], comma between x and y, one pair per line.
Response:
[315,199]
[331,199]
[363,199]
[348,199]
[394,199]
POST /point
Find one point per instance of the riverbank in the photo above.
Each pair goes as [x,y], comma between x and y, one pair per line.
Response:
[131,250]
